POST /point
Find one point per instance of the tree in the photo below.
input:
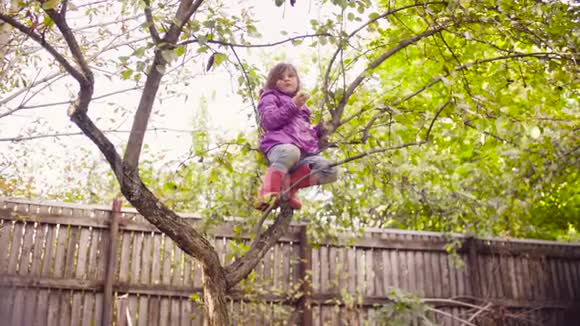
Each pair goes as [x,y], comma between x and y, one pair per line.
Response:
[403,85]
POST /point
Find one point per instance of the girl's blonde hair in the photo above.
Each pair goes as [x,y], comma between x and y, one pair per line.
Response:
[275,74]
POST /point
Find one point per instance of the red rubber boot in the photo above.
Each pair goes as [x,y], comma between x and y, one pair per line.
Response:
[270,189]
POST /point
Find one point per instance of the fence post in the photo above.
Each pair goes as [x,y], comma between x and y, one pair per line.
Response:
[107,318]
[305,302]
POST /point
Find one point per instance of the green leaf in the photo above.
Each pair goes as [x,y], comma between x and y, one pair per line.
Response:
[279,3]
[50,4]
[219,58]
[126,74]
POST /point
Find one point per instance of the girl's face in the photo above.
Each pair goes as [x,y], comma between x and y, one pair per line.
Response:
[288,82]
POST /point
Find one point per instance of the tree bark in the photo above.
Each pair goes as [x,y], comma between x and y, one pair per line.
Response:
[214,298]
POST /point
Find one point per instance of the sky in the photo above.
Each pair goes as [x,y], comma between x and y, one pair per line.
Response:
[227,114]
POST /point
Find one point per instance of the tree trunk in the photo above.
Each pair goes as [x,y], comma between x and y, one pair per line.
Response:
[214,295]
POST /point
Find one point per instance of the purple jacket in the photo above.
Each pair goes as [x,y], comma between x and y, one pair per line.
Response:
[284,123]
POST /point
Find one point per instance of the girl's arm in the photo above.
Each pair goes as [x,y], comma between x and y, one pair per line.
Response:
[272,116]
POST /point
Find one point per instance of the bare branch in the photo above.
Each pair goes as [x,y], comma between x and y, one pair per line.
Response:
[480,311]
[251,90]
[69,134]
[25,101]
[87,75]
[435,118]
[265,45]
[441,312]
[103,24]
[63,8]
[23,106]
[151,23]
[465,82]
[49,48]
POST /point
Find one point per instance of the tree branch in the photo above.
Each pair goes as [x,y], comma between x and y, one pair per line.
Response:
[237,45]
[337,114]
[49,48]
[241,267]
[151,23]
[135,144]
[452,316]
[148,205]
[69,134]
[86,79]
[87,75]
[23,106]
[353,33]
[435,118]
[251,90]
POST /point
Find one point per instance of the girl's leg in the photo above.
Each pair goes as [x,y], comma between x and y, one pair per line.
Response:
[283,157]
[302,176]
[325,173]
[280,159]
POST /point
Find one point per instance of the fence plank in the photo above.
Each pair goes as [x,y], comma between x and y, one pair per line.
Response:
[83,253]
[512,277]
[6,231]
[93,262]
[27,249]
[323,263]
[37,250]
[568,277]
[147,260]
[76,308]
[420,269]
[154,307]
[166,267]
[125,256]
[60,251]
[71,252]
[369,272]
[178,267]
[285,268]
[403,270]
[121,304]
[164,312]
[156,263]
[65,308]
[30,305]
[40,312]
[88,308]
[50,249]
[379,267]
[361,286]
[15,248]
[17,311]
[133,308]
[174,315]
[136,257]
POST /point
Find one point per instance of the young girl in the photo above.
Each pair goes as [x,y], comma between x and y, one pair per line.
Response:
[290,142]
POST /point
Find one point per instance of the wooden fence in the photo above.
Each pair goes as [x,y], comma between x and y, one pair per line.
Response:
[65,264]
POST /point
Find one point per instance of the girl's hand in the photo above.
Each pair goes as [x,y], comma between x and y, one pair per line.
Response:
[300,99]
